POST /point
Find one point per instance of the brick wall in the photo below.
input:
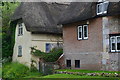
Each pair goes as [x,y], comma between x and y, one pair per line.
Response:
[87,51]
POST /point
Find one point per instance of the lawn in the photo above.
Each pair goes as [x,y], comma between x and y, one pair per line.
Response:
[87,71]
[77,77]
[69,76]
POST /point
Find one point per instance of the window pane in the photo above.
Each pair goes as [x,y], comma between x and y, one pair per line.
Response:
[51,46]
[85,31]
[118,43]
[113,45]
[80,32]
[105,6]
[48,47]
[99,8]
[19,50]
[113,40]
[21,30]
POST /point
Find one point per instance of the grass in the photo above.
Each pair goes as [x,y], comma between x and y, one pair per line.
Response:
[87,71]
[34,75]
[70,76]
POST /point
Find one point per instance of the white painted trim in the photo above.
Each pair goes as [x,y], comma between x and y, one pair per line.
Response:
[79,31]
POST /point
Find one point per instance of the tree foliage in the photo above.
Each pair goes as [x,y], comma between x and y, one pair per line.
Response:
[7,9]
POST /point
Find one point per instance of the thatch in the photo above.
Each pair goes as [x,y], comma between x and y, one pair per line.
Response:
[79,11]
[40,16]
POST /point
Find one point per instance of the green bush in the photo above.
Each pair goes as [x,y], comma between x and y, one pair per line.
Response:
[15,70]
[52,56]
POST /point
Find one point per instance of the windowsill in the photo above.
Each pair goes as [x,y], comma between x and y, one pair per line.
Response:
[19,55]
[82,39]
[114,52]
[20,35]
[103,13]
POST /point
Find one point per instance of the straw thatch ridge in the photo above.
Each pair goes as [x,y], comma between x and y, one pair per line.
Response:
[40,16]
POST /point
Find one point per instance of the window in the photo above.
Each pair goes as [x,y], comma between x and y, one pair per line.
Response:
[77,63]
[50,46]
[102,7]
[19,51]
[68,62]
[115,43]
[83,32]
[20,29]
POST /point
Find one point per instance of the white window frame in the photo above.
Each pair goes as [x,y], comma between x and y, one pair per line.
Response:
[115,44]
[20,29]
[81,32]
[102,10]
[84,31]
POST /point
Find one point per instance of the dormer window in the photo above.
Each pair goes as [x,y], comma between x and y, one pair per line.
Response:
[102,7]
[20,29]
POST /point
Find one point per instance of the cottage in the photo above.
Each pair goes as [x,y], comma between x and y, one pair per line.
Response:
[36,26]
[91,33]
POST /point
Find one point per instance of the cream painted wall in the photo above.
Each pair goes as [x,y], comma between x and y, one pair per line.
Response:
[25,41]
[28,40]
[40,40]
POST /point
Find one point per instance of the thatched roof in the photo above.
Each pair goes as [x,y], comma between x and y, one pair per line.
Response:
[79,11]
[40,17]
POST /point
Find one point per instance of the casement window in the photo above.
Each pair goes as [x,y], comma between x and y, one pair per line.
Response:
[50,46]
[83,32]
[68,63]
[20,51]
[115,43]
[80,32]
[77,63]
[20,29]
[102,7]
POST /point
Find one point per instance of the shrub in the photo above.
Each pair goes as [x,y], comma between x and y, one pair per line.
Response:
[15,70]
[52,56]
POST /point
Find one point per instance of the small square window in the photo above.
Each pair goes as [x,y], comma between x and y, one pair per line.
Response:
[68,62]
[77,63]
